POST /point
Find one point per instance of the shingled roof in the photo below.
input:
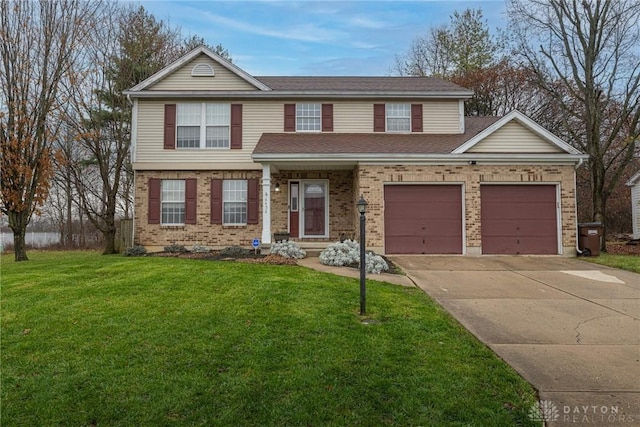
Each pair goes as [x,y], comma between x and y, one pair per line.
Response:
[361,84]
[370,143]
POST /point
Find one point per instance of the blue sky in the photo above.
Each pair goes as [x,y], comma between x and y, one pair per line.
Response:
[356,38]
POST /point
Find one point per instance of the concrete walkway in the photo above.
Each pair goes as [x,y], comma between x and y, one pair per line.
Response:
[314,263]
[569,327]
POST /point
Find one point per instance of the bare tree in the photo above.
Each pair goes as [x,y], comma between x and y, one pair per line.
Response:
[39,41]
[591,51]
[130,46]
[465,52]
[452,50]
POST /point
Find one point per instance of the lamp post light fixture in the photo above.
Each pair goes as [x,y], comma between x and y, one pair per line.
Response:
[362,209]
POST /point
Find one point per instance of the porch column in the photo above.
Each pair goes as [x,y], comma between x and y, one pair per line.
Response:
[266,204]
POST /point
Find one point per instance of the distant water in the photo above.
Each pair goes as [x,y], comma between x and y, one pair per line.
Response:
[38,239]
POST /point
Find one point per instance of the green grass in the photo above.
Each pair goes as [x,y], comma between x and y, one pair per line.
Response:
[625,262]
[108,340]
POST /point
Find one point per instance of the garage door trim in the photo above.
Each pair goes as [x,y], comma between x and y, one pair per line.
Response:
[559,246]
[463,192]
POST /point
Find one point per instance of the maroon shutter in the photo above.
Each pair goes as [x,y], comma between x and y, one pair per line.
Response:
[416,117]
[153,213]
[169,126]
[327,117]
[236,126]
[252,201]
[190,200]
[379,118]
[289,117]
[216,201]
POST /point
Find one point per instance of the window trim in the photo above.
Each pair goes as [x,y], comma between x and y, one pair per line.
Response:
[386,117]
[184,203]
[225,201]
[203,125]
[318,117]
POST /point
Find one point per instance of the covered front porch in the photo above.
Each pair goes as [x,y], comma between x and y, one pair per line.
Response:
[312,204]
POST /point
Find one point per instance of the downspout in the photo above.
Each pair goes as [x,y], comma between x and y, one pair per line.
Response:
[575,186]
[133,205]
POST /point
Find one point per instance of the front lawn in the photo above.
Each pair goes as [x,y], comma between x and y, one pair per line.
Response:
[108,340]
[624,262]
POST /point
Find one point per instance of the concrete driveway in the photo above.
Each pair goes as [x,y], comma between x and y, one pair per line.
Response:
[569,327]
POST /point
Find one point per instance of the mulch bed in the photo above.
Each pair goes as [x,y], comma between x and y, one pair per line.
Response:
[253,258]
[217,256]
[623,249]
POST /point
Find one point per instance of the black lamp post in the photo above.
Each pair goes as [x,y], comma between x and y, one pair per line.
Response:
[362,208]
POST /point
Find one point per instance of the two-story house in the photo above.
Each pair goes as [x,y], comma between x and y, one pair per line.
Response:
[222,157]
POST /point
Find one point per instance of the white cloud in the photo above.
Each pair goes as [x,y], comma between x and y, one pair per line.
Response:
[307,32]
[364,45]
[366,22]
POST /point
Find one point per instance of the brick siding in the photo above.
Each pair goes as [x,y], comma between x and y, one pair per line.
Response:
[371,180]
[345,188]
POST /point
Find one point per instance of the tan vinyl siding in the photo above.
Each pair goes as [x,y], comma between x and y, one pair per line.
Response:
[514,138]
[353,117]
[182,79]
[441,116]
[258,117]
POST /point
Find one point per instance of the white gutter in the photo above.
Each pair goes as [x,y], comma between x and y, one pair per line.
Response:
[296,94]
[479,159]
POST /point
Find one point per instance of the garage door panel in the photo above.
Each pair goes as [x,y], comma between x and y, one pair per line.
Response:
[445,227]
[505,245]
[518,227]
[423,219]
[504,212]
[519,219]
[417,245]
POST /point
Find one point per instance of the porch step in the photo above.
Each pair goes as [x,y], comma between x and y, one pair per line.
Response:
[312,249]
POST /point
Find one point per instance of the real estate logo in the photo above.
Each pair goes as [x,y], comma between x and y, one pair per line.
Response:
[544,411]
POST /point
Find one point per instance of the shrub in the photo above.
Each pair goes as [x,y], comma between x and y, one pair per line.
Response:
[287,249]
[375,263]
[347,253]
[175,248]
[341,254]
[135,251]
[235,252]
[200,249]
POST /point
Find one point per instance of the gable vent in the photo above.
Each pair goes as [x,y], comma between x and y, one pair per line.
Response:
[202,70]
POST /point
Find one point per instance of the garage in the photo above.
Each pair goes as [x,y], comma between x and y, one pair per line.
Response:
[519,219]
[423,219]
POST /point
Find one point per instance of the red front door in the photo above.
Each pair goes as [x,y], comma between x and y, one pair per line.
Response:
[294,209]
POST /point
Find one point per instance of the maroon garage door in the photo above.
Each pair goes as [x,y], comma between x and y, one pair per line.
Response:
[423,219]
[519,219]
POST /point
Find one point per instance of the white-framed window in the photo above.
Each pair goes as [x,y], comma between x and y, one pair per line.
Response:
[234,202]
[203,125]
[172,204]
[398,117]
[294,198]
[188,120]
[308,117]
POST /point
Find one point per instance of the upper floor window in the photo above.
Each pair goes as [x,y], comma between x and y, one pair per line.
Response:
[398,117]
[203,125]
[308,117]
[172,202]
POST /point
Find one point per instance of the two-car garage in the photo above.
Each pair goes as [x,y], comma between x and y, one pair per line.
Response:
[428,219]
